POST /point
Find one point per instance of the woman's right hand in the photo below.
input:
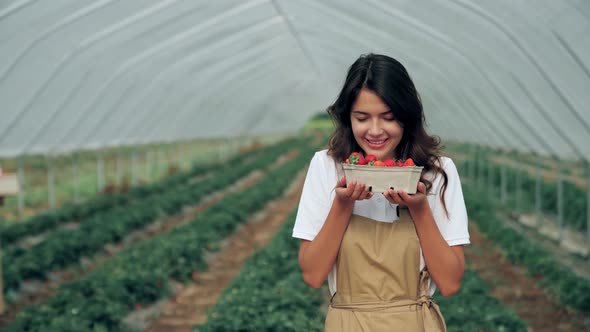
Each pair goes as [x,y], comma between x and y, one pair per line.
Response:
[351,192]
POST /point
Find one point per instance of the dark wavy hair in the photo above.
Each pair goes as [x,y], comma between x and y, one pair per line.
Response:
[387,78]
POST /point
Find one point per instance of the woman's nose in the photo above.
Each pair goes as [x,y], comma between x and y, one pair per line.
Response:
[375,128]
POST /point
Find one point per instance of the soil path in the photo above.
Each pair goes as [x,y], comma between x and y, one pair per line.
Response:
[190,304]
[510,284]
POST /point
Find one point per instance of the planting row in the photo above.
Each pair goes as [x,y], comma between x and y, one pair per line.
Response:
[64,247]
[101,204]
[140,274]
[570,289]
[270,295]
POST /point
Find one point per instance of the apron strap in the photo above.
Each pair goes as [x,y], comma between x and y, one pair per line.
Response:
[426,302]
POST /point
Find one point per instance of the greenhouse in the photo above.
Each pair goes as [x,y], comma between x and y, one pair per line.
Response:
[156,156]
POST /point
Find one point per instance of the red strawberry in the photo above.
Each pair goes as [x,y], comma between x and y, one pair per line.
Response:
[347,161]
[379,163]
[389,163]
[356,158]
[409,162]
[369,158]
[399,163]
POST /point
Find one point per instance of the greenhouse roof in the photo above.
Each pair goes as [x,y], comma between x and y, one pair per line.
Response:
[89,74]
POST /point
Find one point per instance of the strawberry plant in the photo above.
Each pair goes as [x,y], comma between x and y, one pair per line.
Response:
[270,295]
[569,288]
[65,247]
[100,300]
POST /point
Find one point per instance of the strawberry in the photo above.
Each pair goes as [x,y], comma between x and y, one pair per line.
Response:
[347,161]
[369,158]
[399,163]
[409,162]
[356,158]
[389,163]
[379,163]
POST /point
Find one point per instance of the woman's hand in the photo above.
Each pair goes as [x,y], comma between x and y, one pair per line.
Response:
[354,191]
[416,203]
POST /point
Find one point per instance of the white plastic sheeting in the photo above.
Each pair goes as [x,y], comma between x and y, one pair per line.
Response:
[86,74]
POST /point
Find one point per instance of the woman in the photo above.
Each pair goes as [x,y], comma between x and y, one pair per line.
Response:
[380,251]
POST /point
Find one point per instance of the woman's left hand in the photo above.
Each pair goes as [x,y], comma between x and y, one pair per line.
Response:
[415,202]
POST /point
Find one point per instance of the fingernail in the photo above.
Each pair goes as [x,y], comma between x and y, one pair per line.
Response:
[370,188]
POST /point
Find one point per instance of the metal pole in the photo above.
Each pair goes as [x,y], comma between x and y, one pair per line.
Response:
[148,165]
[560,200]
[503,184]
[480,170]
[518,190]
[50,181]
[23,187]
[538,192]
[134,158]
[491,192]
[77,177]
[588,207]
[165,159]
[119,168]
[99,171]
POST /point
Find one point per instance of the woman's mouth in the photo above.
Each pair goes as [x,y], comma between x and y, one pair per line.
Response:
[376,144]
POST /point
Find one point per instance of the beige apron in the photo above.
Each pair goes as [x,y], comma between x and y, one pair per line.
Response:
[380,285]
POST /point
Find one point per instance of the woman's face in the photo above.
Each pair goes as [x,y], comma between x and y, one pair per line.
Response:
[374,127]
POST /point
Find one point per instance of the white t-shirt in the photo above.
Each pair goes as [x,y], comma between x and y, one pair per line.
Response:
[318,195]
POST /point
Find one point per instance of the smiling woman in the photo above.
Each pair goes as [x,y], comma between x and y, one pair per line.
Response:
[384,254]
[374,126]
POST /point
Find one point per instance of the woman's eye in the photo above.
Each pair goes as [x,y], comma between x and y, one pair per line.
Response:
[389,117]
[361,119]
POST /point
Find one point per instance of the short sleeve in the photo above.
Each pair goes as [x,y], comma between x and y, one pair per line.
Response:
[453,228]
[315,202]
